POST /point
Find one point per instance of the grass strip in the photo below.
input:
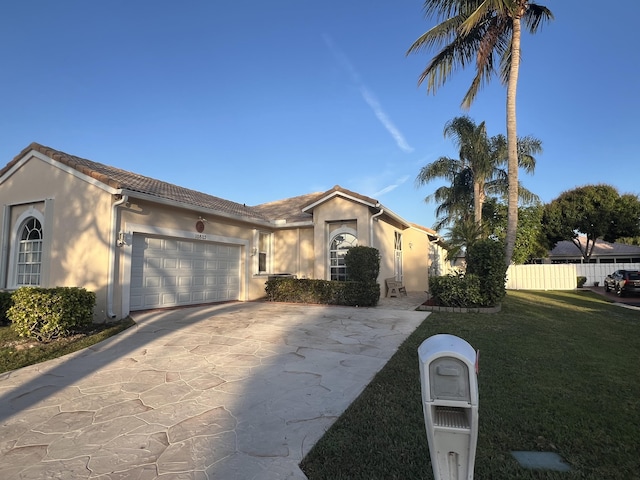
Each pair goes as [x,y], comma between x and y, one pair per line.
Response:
[559,372]
[17,352]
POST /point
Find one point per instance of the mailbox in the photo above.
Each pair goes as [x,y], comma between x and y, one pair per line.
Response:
[448,374]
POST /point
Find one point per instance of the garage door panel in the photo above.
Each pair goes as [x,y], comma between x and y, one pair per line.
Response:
[168,272]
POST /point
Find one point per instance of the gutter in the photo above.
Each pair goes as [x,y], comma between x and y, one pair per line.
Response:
[112,254]
[371,220]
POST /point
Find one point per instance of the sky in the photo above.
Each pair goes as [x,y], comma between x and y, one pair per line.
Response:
[256,101]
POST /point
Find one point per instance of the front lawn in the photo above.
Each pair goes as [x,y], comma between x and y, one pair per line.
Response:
[17,352]
[559,372]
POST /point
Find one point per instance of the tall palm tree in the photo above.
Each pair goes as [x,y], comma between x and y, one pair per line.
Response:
[476,174]
[482,31]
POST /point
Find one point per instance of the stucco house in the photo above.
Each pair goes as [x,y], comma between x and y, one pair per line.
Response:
[141,243]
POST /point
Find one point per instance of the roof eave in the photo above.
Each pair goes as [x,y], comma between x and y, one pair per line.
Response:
[189,206]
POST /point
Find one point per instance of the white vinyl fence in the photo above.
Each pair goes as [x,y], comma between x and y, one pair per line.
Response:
[560,277]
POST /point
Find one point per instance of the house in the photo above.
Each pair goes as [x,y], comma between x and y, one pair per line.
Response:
[141,243]
[603,252]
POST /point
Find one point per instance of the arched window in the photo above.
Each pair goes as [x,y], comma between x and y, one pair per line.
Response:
[29,262]
[338,248]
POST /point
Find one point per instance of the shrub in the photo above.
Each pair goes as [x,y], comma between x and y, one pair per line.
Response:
[485,258]
[581,281]
[5,304]
[326,292]
[363,264]
[48,313]
[456,290]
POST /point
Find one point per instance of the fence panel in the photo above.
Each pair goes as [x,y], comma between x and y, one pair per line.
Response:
[560,277]
[541,277]
[595,272]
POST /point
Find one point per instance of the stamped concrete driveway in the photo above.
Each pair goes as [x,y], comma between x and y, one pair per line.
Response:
[229,391]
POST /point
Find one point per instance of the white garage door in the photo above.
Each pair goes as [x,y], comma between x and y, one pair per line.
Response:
[167,272]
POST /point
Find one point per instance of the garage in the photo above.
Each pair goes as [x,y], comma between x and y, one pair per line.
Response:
[169,272]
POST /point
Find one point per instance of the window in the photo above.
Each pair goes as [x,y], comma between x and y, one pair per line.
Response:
[263,251]
[29,262]
[397,267]
[340,245]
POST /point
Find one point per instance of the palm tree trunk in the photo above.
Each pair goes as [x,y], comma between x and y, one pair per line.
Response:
[478,201]
[512,142]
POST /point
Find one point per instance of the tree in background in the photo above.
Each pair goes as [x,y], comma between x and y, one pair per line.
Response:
[531,243]
[485,33]
[476,176]
[595,211]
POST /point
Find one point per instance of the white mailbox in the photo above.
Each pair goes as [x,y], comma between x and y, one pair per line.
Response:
[448,373]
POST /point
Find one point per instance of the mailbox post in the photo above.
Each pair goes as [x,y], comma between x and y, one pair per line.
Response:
[450,405]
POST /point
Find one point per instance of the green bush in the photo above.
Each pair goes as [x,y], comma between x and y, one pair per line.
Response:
[5,304]
[485,258]
[456,290]
[363,264]
[287,289]
[48,313]
[581,281]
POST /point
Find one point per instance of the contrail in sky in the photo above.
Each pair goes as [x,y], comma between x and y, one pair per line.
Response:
[368,96]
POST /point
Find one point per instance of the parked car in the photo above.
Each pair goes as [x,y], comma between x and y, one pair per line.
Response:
[623,282]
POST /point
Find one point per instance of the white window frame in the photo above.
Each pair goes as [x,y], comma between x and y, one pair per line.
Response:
[338,267]
[397,255]
[16,242]
[262,247]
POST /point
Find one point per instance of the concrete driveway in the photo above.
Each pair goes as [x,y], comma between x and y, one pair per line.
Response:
[229,391]
[628,301]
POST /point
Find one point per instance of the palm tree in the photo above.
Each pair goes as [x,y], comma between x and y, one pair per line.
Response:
[476,174]
[482,31]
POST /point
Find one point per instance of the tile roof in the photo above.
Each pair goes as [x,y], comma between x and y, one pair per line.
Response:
[292,210]
[567,248]
[289,209]
[122,179]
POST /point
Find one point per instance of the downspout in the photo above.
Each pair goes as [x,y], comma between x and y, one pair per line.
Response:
[112,254]
[373,217]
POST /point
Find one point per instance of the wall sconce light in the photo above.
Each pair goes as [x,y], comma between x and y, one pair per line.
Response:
[254,250]
[122,239]
[410,245]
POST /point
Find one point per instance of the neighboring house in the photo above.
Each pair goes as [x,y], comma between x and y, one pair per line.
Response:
[141,243]
[603,252]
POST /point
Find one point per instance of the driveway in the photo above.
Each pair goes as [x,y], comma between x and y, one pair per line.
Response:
[629,301]
[228,391]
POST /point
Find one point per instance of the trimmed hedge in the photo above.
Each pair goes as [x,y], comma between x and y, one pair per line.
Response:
[363,264]
[456,291]
[5,304]
[581,281]
[48,313]
[294,290]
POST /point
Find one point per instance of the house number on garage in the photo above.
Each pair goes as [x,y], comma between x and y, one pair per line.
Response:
[200,236]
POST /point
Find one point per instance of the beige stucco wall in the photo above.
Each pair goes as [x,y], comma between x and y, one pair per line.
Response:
[415,260]
[415,255]
[76,228]
[333,215]
[293,252]
[165,220]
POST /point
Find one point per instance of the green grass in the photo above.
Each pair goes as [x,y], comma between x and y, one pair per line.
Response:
[17,352]
[559,371]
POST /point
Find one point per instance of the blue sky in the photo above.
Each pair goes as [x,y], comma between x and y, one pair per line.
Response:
[257,101]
